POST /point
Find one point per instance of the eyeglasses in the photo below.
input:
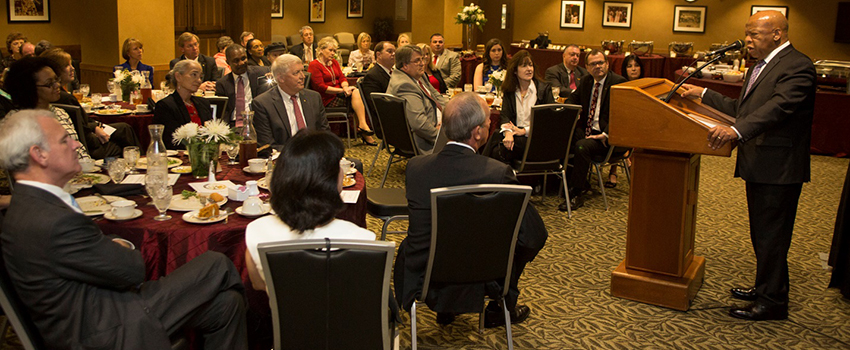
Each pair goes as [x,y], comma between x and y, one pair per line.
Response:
[50,84]
[597,63]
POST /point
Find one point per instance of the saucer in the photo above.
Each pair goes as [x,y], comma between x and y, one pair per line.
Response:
[108,216]
[192,217]
[266,209]
[247,169]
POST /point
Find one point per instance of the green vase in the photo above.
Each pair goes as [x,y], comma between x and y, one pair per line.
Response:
[201,155]
[125,95]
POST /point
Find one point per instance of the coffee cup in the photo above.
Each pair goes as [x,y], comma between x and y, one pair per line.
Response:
[256,165]
[87,164]
[123,209]
[252,206]
[347,166]
[209,93]
[142,108]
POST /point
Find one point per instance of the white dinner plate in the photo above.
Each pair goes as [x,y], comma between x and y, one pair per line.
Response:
[171,153]
[94,205]
[136,213]
[86,180]
[348,182]
[192,217]
[263,183]
[189,204]
[142,163]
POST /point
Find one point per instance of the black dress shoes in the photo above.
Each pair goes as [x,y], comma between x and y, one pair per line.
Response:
[493,318]
[445,318]
[748,294]
[760,312]
[575,203]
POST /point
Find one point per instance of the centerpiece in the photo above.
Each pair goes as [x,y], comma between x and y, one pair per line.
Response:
[203,142]
[471,15]
[496,79]
[128,82]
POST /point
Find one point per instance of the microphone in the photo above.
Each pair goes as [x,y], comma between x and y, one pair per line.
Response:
[733,46]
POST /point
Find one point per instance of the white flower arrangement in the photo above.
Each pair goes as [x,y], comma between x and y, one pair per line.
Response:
[129,81]
[496,79]
[213,132]
[471,14]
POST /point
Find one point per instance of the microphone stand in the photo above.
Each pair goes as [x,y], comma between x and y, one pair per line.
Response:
[673,91]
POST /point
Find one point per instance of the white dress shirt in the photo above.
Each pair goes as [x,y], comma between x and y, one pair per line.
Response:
[246,84]
[523,106]
[290,110]
[595,113]
[54,190]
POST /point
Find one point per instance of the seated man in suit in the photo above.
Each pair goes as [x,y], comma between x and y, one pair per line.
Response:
[281,112]
[446,61]
[424,103]
[377,79]
[590,138]
[306,51]
[467,123]
[241,86]
[84,290]
[567,76]
[188,44]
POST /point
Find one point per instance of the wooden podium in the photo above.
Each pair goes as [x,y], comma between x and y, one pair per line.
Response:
[660,267]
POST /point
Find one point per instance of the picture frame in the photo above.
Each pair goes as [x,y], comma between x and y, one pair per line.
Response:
[617,14]
[28,11]
[316,9]
[277,8]
[572,14]
[689,19]
[757,8]
[355,8]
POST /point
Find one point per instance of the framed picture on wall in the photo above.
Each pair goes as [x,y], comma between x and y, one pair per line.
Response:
[757,8]
[617,14]
[28,11]
[277,8]
[355,8]
[689,19]
[317,11]
[572,14]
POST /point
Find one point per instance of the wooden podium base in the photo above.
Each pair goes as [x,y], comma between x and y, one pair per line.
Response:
[657,289]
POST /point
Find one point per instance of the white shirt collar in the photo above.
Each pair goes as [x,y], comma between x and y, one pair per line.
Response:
[776,51]
[54,190]
[461,144]
[285,96]
[243,75]
[385,68]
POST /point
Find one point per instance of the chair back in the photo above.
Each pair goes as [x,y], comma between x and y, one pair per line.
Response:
[346,40]
[218,104]
[307,81]
[441,142]
[17,314]
[463,221]
[293,40]
[394,126]
[76,115]
[376,124]
[548,144]
[329,294]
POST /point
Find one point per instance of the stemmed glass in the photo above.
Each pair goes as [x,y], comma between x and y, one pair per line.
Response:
[232,150]
[131,155]
[110,85]
[85,89]
[116,170]
[160,192]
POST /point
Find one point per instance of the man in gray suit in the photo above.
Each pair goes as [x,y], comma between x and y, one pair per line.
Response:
[568,75]
[447,61]
[281,112]
[84,290]
[424,103]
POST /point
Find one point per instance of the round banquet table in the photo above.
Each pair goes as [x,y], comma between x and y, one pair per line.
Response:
[139,122]
[167,245]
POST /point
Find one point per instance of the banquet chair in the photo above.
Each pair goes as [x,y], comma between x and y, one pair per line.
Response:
[330,294]
[395,128]
[441,141]
[376,124]
[293,40]
[548,145]
[387,204]
[456,230]
[339,115]
[610,159]
[17,315]
[219,104]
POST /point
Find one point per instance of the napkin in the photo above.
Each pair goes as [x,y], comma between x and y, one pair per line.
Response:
[121,190]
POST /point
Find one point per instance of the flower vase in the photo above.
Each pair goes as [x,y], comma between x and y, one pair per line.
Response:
[125,94]
[469,43]
[200,155]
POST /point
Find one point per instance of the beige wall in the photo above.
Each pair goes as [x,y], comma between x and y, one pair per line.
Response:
[812,24]
[135,22]
[295,16]
[63,29]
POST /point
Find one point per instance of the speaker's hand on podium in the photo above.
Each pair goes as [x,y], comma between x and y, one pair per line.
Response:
[692,91]
[720,135]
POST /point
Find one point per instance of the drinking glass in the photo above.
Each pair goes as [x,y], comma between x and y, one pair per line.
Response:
[131,155]
[96,99]
[85,89]
[467,87]
[110,85]
[78,95]
[116,170]
[161,195]
[556,92]
[232,150]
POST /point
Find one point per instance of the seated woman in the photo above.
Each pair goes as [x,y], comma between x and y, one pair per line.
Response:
[257,54]
[327,79]
[362,57]
[494,61]
[522,90]
[93,135]
[182,106]
[220,58]
[14,41]
[305,189]
[403,39]
[132,51]
[632,69]
[432,74]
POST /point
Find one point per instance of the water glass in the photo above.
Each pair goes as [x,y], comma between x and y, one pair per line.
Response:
[110,85]
[556,92]
[85,89]
[131,155]
[232,150]
[467,87]
[96,99]
[161,197]
[116,170]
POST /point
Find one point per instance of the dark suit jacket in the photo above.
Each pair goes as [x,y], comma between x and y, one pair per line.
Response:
[77,283]
[544,96]
[211,72]
[774,119]
[298,50]
[272,122]
[171,112]
[455,165]
[226,86]
[375,80]
[557,76]
[582,95]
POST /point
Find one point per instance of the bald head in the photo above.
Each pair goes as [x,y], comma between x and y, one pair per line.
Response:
[466,119]
[765,30]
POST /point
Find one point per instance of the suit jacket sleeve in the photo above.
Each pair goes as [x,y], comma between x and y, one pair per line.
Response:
[554,80]
[454,77]
[262,124]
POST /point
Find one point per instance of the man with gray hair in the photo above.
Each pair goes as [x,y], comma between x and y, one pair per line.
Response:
[306,50]
[281,112]
[85,290]
[242,85]
[467,126]
[424,103]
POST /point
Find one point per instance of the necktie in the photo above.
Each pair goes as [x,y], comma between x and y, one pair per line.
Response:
[240,101]
[572,80]
[592,111]
[754,76]
[76,205]
[299,118]
[428,94]
[435,59]
[308,53]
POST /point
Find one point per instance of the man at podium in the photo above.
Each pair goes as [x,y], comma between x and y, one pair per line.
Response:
[773,122]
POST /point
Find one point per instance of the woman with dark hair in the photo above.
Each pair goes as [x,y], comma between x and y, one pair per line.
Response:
[495,60]
[632,69]
[182,106]
[305,189]
[522,90]
[132,51]
[432,74]
[257,53]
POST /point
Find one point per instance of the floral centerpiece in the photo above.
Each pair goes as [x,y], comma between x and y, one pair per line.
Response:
[128,82]
[203,142]
[471,15]
[496,79]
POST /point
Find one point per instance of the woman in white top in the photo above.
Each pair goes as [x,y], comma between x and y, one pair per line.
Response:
[305,190]
[363,57]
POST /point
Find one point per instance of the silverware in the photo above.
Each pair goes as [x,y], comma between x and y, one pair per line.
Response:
[98,195]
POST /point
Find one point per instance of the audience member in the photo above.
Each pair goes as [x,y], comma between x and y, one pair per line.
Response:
[85,290]
[188,44]
[362,57]
[432,75]
[245,37]
[567,76]
[632,69]
[495,60]
[27,49]
[182,106]
[132,51]
[305,189]
[467,123]
[42,46]
[424,103]
[241,86]
[256,53]
[220,58]
[590,138]
[275,49]
[403,39]
[14,41]
[378,78]
[282,112]
[307,49]
[446,61]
